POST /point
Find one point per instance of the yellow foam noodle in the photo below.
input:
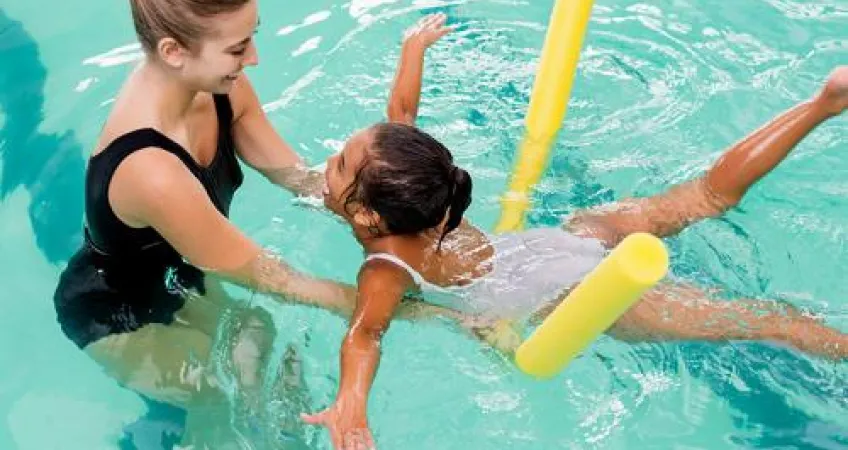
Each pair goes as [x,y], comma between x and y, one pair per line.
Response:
[634,266]
[555,76]
[533,155]
[548,104]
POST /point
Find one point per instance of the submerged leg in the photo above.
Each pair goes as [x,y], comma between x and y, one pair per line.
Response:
[681,312]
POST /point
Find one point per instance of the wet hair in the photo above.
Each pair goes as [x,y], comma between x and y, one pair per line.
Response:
[410,180]
[182,20]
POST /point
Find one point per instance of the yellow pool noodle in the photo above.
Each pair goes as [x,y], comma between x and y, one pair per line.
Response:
[548,105]
[639,262]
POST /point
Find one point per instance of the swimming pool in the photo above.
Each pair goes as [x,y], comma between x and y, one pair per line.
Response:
[660,92]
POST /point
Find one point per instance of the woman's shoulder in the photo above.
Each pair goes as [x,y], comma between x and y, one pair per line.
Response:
[152,181]
[125,118]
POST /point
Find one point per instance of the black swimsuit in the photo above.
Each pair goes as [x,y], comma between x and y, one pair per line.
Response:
[124,278]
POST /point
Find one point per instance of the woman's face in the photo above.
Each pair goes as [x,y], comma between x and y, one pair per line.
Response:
[227,49]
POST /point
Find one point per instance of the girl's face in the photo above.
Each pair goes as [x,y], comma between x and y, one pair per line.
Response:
[341,173]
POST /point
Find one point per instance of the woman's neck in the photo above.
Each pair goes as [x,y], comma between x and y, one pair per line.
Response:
[171,98]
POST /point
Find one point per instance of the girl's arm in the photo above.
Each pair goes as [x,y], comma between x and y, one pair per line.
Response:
[381,288]
[406,91]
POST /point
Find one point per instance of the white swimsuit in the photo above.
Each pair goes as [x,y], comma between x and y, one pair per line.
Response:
[530,269]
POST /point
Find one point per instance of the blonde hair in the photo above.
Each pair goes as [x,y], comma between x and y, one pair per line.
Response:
[182,20]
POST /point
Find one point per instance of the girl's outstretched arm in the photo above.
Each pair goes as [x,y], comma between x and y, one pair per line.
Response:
[406,91]
[382,285]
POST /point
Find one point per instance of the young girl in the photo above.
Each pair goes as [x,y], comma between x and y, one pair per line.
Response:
[405,198]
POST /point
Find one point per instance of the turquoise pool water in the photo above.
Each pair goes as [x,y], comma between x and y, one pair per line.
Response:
[660,92]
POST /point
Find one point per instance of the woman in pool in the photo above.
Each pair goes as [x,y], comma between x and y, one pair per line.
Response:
[158,190]
[404,198]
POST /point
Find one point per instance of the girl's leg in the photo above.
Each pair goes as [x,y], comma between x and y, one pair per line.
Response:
[725,183]
[681,312]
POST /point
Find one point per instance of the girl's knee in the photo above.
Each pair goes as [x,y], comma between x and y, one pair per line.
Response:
[716,199]
[592,225]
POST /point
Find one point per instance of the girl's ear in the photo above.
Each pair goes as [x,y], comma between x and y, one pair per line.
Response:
[365,217]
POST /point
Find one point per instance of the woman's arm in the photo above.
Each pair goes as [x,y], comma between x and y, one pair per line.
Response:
[263,149]
[154,188]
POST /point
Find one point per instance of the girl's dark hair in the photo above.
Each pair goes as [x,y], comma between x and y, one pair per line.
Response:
[409,178]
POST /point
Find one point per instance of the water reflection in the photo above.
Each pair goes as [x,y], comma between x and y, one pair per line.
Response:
[49,166]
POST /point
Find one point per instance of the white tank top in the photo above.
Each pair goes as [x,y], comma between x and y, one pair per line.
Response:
[529,269]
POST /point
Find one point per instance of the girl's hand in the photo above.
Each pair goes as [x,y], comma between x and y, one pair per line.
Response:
[347,425]
[427,31]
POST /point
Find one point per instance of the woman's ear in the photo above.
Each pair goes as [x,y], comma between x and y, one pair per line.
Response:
[171,52]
